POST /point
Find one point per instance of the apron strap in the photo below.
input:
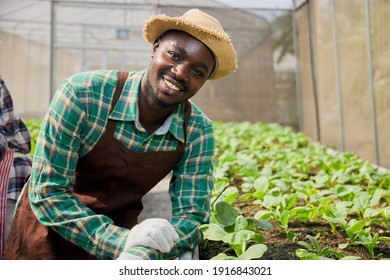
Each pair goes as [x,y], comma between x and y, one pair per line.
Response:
[122,77]
[5,168]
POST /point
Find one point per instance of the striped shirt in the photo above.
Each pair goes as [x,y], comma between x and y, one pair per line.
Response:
[76,119]
[14,135]
[15,163]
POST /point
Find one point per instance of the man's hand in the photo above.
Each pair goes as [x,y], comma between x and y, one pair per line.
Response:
[155,233]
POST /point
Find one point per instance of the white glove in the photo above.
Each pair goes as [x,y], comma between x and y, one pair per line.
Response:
[155,233]
[128,256]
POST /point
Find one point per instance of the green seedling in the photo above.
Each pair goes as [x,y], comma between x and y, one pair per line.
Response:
[253,252]
[368,241]
[313,251]
[282,210]
[336,215]
[281,218]
[379,216]
[236,230]
[353,228]
[385,214]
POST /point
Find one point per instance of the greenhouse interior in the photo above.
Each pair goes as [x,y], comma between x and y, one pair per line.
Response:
[317,67]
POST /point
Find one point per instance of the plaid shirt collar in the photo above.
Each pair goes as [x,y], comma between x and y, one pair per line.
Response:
[127,106]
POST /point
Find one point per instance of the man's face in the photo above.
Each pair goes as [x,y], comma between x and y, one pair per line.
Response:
[179,68]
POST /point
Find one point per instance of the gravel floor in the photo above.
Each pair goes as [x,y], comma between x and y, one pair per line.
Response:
[157,203]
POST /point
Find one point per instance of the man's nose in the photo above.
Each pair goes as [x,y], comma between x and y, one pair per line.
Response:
[181,71]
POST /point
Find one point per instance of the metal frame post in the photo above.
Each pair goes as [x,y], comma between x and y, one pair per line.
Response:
[313,66]
[53,37]
[337,73]
[298,88]
[370,80]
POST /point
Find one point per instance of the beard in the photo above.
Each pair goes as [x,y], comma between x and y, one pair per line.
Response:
[150,92]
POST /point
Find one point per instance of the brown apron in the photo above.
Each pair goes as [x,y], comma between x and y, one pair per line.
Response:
[110,179]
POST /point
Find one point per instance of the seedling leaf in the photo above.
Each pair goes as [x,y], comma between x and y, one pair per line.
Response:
[384,238]
[350,258]
[305,255]
[314,241]
[305,244]
[240,224]
[261,184]
[226,213]
[264,214]
[253,252]
[213,231]
[258,237]
[376,197]
[238,238]
[223,256]
[343,245]
[261,223]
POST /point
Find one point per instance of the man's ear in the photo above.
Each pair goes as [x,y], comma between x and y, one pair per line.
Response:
[155,46]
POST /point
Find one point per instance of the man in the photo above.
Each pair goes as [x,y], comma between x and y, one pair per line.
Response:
[15,162]
[102,148]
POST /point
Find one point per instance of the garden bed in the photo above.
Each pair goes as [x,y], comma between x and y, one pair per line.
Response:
[321,204]
[280,247]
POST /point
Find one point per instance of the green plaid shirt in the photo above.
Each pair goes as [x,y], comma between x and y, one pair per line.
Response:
[76,119]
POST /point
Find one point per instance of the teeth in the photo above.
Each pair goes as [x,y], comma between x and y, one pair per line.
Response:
[172,86]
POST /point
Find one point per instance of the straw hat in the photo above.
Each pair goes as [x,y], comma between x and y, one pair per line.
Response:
[203,27]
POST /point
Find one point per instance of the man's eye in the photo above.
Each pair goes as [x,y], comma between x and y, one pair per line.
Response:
[174,56]
[198,73]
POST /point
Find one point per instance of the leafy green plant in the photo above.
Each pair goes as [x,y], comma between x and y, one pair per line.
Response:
[353,228]
[33,126]
[336,215]
[313,251]
[365,239]
[282,210]
[237,231]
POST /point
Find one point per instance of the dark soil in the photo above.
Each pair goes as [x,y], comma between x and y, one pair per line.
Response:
[280,247]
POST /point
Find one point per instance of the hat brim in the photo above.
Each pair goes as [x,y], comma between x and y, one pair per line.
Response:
[219,43]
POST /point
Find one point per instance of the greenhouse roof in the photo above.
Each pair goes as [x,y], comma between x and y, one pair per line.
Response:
[31,18]
[117,24]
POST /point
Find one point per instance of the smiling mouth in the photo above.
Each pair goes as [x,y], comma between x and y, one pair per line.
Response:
[172,86]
